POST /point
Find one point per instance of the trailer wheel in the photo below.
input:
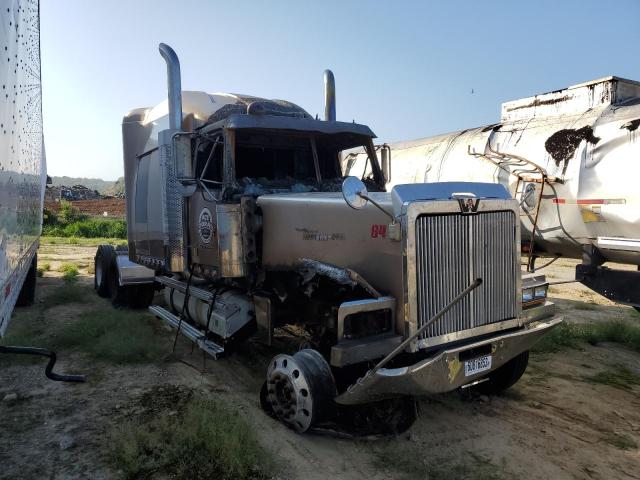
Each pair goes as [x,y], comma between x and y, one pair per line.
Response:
[102,262]
[300,389]
[505,376]
[28,291]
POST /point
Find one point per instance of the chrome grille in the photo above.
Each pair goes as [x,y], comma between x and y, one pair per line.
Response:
[451,252]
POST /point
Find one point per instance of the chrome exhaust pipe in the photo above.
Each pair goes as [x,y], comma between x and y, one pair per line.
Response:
[329,96]
[174,86]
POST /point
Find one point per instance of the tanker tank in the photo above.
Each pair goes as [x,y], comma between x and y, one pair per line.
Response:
[570,157]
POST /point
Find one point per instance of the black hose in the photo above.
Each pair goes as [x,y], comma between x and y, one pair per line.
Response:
[184,306]
[48,371]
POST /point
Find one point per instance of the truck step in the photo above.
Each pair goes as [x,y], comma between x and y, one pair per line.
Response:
[192,333]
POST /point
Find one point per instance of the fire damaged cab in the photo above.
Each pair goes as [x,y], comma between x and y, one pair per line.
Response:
[239,209]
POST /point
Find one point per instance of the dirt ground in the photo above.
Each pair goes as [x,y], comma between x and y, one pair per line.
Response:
[114,207]
[554,424]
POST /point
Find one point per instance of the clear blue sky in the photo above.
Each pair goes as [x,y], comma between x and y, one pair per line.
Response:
[405,68]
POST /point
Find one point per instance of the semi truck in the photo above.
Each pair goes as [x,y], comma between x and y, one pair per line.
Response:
[569,157]
[240,212]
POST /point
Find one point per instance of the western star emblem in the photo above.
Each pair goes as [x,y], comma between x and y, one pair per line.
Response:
[205,226]
[468,205]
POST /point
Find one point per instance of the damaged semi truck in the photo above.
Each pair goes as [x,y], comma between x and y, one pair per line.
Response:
[237,207]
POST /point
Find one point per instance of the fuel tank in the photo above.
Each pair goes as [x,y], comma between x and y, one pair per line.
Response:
[571,157]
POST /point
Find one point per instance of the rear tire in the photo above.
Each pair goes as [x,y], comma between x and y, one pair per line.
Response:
[27,293]
[505,376]
[118,294]
[102,262]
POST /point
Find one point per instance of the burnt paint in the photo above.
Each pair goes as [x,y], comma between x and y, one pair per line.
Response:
[562,145]
[493,127]
[632,125]
[537,103]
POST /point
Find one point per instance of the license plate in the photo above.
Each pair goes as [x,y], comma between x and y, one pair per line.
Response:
[477,365]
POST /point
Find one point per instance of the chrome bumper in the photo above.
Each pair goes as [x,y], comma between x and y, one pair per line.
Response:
[443,372]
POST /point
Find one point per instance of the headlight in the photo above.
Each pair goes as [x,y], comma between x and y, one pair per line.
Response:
[540,292]
[527,295]
[534,295]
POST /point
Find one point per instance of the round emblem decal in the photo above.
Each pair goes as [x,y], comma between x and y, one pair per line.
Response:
[205,226]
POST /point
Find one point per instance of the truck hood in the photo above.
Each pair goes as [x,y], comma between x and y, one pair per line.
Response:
[322,227]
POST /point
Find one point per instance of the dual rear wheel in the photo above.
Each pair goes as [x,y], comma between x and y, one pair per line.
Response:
[106,282]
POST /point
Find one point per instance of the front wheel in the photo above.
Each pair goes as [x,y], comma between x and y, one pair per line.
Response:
[505,376]
[300,389]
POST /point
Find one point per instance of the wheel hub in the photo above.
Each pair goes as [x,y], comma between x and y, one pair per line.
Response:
[297,388]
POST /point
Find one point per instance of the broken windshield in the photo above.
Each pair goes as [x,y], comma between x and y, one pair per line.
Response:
[295,161]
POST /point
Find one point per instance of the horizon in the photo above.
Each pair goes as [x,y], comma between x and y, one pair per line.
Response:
[408,73]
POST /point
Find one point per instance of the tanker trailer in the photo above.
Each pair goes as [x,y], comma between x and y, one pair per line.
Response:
[570,157]
[23,172]
[238,209]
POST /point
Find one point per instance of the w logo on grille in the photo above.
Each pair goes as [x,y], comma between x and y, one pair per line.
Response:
[469,205]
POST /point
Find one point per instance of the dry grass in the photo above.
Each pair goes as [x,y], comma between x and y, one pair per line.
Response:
[204,440]
[572,335]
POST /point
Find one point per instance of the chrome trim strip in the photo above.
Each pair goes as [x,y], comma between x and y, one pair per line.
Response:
[366,305]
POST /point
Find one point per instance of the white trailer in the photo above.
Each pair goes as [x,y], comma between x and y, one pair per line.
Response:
[571,158]
[22,160]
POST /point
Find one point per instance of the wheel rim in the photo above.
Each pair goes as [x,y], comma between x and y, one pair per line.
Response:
[297,386]
[98,273]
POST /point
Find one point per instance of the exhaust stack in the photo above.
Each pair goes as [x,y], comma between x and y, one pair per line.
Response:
[329,96]
[174,86]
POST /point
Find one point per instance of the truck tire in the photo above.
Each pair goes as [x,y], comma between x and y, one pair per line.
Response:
[27,293]
[118,294]
[505,376]
[102,262]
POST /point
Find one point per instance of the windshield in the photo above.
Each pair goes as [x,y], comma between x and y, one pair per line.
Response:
[310,162]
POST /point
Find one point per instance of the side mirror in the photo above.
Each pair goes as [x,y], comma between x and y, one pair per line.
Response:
[354,192]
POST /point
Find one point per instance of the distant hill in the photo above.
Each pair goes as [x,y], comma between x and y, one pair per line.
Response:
[105,187]
[116,189]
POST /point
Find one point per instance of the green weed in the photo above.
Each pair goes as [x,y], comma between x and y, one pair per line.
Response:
[69,293]
[408,458]
[206,440]
[572,335]
[618,377]
[119,336]
[90,242]
[620,441]
[69,272]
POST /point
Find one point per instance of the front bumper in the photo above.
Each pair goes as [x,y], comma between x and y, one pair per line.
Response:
[443,372]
